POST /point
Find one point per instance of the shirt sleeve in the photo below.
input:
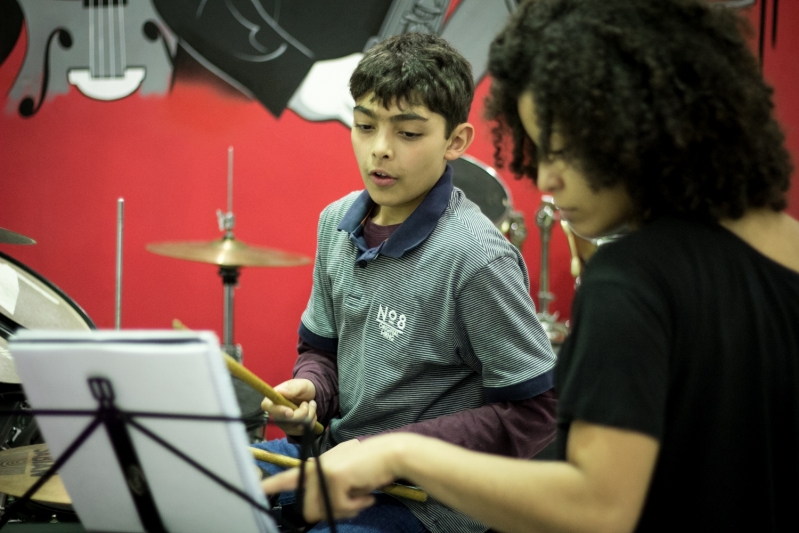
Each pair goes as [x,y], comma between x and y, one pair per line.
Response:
[613,367]
[321,368]
[498,314]
[318,323]
[514,429]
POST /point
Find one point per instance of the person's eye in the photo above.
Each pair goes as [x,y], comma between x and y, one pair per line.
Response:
[410,134]
[364,127]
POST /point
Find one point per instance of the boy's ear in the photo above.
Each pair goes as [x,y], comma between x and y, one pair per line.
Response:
[459,140]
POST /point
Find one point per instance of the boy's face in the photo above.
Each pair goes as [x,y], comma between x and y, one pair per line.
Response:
[401,153]
[591,213]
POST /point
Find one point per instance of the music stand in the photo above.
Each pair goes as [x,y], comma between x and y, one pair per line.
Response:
[144,428]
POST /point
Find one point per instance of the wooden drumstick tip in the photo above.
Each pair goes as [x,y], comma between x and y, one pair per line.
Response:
[395,489]
[236,369]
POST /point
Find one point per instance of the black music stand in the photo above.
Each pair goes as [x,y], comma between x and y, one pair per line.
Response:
[144,428]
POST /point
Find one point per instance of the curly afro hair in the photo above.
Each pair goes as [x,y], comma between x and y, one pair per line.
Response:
[663,96]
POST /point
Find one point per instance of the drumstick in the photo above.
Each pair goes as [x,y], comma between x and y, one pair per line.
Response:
[261,386]
[395,489]
[255,382]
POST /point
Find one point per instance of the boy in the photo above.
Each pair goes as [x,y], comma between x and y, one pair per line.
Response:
[420,317]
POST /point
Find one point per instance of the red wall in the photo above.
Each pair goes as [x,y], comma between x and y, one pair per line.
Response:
[63,169]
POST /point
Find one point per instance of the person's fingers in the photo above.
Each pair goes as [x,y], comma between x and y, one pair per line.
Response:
[282,482]
[277,411]
[294,389]
[345,503]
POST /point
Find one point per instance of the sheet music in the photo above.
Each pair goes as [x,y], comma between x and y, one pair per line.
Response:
[176,372]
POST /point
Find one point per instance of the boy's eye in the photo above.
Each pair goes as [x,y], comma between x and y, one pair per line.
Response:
[364,127]
[410,134]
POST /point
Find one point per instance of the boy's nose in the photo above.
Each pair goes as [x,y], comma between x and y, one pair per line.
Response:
[381,148]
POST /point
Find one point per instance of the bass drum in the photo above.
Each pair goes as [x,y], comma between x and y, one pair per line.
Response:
[482,185]
[27,300]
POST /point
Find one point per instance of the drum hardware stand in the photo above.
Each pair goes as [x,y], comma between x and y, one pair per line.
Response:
[556,331]
[120,227]
[229,274]
[516,229]
[117,423]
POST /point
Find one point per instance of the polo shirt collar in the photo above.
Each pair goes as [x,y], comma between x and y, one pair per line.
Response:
[411,233]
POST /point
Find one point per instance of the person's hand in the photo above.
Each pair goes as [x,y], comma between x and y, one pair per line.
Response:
[300,392]
[352,471]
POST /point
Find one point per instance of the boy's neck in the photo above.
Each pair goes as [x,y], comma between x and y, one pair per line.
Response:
[383,215]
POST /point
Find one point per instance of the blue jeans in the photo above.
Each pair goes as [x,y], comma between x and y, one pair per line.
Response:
[386,515]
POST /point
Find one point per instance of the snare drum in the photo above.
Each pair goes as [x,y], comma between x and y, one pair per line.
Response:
[27,300]
[482,185]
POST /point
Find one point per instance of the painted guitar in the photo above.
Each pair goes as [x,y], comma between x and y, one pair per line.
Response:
[107,49]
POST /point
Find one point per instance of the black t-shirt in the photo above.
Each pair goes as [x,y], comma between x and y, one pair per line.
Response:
[684,332]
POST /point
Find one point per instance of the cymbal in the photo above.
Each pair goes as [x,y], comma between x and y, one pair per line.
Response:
[10,237]
[21,468]
[228,252]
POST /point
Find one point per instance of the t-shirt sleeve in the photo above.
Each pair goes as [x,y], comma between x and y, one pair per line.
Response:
[613,367]
[318,322]
[496,310]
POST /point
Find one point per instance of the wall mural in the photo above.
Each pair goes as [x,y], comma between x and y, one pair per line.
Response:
[296,55]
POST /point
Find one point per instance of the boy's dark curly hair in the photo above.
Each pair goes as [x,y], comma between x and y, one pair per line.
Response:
[663,96]
[420,69]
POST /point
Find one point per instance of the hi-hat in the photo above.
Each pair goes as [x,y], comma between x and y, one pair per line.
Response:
[10,237]
[21,468]
[228,252]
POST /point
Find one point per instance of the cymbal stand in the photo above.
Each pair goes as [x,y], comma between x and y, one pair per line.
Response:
[545,218]
[120,231]
[229,274]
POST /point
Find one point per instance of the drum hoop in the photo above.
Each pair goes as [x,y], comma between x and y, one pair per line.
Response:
[50,285]
[493,173]
[483,171]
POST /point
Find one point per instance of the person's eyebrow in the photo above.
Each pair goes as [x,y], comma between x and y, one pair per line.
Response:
[401,117]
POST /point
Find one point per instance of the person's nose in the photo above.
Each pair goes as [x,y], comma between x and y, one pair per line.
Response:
[382,148]
[549,178]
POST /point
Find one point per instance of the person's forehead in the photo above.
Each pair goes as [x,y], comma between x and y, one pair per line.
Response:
[371,104]
[526,109]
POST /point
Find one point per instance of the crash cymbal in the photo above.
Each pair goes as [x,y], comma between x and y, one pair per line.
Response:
[21,468]
[228,252]
[10,237]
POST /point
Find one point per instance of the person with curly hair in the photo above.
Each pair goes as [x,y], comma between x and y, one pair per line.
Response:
[678,383]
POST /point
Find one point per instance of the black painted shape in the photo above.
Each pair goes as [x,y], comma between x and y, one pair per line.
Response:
[27,107]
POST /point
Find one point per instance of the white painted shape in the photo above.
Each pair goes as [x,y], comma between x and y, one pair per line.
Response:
[107,88]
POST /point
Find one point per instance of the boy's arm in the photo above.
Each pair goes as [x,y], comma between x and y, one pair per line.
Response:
[321,368]
[515,429]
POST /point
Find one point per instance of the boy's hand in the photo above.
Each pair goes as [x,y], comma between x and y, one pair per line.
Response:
[300,392]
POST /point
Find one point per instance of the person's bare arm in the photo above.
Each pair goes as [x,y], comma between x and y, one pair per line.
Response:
[601,487]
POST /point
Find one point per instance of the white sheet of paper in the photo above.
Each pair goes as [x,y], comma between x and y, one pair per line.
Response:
[9,288]
[151,371]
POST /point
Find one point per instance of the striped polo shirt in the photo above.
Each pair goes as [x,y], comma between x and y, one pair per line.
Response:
[435,320]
